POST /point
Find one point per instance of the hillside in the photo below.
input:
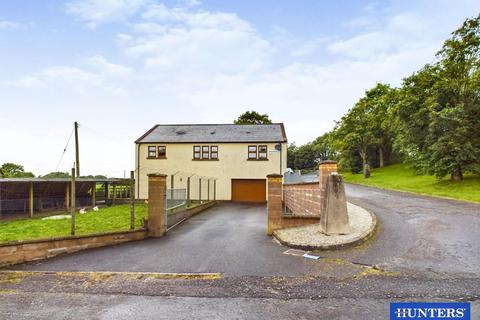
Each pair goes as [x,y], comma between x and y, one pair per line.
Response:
[401,177]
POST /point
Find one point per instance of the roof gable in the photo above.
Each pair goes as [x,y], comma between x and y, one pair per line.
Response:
[199,133]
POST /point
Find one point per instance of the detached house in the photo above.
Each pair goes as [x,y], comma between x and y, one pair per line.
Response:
[238,156]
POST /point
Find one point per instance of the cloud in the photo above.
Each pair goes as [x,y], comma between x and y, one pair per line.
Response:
[107,68]
[96,73]
[4,25]
[98,11]
[186,39]
[25,82]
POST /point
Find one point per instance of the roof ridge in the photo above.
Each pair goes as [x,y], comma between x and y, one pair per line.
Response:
[218,124]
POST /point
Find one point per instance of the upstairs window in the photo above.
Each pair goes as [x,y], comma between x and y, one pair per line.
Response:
[259,152]
[262,152]
[152,151]
[157,152]
[213,152]
[196,153]
[252,152]
[162,152]
[205,152]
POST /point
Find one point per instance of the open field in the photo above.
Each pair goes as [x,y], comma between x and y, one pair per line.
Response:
[115,218]
[401,177]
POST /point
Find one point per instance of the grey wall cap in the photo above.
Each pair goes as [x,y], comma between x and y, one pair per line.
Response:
[274,175]
[328,162]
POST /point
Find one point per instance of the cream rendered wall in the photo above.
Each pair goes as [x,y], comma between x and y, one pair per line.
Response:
[232,164]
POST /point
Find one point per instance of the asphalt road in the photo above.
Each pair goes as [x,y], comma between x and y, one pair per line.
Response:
[425,249]
[416,234]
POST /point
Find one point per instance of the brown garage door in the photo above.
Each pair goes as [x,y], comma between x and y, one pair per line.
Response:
[249,190]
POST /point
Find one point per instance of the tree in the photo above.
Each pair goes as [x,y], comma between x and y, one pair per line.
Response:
[291,152]
[366,128]
[252,117]
[98,176]
[57,174]
[440,108]
[12,170]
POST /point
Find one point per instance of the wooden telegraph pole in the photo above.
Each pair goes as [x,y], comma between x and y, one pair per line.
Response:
[132,200]
[77,151]
[72,203]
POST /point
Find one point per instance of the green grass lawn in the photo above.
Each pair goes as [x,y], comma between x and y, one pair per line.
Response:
[402,177]
[115,218]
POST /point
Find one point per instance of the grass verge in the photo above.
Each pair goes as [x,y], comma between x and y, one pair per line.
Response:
[402,177]
[114,218]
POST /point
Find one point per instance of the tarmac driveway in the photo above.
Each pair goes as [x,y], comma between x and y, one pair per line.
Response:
[417,235]
[229,238]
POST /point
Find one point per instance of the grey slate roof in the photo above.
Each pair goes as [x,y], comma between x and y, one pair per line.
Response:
[197,133]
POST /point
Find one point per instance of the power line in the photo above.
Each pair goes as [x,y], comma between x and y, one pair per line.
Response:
[64,150]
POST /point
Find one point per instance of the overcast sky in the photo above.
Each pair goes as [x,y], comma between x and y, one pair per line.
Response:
[120,66]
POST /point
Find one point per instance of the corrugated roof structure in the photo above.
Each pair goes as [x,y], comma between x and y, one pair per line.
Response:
[199,133]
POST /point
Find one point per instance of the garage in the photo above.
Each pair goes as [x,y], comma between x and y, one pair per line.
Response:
[249,190]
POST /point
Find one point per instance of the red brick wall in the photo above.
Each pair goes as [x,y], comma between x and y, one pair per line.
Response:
[302,199]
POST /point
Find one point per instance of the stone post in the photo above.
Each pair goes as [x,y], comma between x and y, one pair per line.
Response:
[157,188]
[334,220]
[326,167]
[274,202]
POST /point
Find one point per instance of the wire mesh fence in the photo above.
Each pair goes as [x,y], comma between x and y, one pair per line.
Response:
[176,198]
[185,191]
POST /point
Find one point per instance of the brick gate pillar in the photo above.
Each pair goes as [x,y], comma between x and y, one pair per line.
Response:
[326,167]
[274,204]
[157,188]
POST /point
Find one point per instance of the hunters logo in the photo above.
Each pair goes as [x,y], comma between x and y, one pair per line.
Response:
[429,310]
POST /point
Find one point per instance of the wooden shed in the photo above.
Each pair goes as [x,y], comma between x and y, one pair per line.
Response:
[30,195]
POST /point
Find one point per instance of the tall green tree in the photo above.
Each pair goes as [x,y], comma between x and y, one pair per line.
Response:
[252,117]
[12,170]
[365,128]
[440,108]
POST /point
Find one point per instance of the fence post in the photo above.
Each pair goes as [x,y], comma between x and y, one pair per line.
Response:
[106,192]
[208,189]
[200,190]
[325,168]
[214,189]
[94,194]
[114,192]
[72,204]
[188,191]
[67,197]
[274,204]
[30,200]
[172,186]
[132,200]
[157,190]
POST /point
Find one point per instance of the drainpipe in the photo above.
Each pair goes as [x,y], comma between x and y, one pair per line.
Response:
[280,158]
[138,170]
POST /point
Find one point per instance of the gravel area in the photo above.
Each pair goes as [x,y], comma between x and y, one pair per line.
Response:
[309,237]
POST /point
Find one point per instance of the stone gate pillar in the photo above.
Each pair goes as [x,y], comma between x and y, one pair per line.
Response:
[326,167]
[274,204]
[157,188]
